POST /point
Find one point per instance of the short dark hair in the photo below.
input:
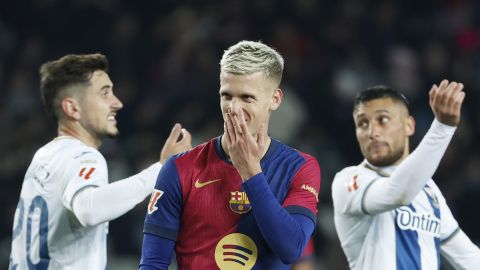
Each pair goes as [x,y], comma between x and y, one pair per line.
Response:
[58,75]
[380,92]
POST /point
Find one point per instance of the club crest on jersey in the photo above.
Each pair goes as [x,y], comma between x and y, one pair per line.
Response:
[152,205]
[239,202]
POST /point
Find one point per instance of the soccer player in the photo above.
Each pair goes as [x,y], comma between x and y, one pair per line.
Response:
[389,213]
[65,204]
[241,200]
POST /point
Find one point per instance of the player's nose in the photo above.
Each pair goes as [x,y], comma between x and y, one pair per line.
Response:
[117,104]
[373,131]
[234,105]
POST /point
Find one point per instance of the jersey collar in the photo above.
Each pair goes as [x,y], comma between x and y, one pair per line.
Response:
[384,171]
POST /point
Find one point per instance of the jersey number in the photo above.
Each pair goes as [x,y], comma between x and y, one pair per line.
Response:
[40,204]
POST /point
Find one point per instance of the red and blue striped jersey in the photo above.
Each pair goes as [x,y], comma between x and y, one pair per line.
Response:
[199,202]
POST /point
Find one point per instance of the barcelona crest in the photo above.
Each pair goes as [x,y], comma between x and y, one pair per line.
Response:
[239,202]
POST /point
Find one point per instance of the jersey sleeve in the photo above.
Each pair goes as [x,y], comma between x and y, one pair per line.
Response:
[302,197]
[449,224]
[309,250]
[348,191]
[461,252]
[165,205]
[86,168]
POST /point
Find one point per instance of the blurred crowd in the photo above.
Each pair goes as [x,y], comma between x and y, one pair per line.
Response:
[164,62]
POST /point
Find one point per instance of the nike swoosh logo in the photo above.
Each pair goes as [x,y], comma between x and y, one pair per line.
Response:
[199,184]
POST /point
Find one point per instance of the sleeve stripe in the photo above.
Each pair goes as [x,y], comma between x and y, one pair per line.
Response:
[448,238]
[295,209]
[160,231]
[364,210]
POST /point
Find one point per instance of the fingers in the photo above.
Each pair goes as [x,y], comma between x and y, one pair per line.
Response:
[440,98]
[229,132]
[236,125]
[432,94]
[261,134]
[446,101]
[226,132]
[446,94]
[458,101]
[186,138]
[454,93]
[242,124]
[174,134]
[169,146]
[452,89]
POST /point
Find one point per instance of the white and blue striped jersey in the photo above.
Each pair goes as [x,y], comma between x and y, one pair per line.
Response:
[46,234]
[405,238]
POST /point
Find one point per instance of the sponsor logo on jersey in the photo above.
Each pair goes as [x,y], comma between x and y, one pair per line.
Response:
[86,172]
[311,189]
[239,202]
[420,222]
[236,251]
[199,184]
[352,185]
[152,204]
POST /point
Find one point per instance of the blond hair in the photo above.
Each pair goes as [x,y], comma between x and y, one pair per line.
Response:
[247,57]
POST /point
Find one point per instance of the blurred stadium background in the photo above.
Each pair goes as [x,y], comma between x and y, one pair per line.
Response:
[164,63]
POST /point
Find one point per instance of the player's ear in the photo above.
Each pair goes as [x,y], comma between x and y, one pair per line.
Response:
[71,108]
[410,125]
[276,99]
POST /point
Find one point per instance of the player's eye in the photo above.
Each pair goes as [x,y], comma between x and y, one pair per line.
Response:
[384,119]
[248,98]
[225,96]
[362,124]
